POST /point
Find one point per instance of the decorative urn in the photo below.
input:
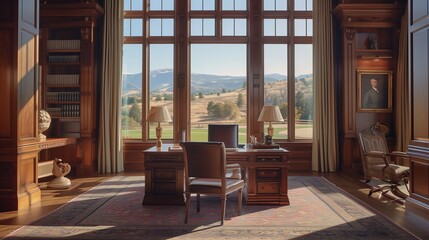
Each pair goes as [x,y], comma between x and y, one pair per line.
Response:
[44,123]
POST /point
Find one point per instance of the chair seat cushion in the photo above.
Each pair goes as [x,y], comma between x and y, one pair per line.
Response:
[205,182]
[210,185]
[393,172]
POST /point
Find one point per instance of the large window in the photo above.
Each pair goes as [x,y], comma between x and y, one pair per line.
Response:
[218,65]
[132,91]
[288,66]
[276,85]
[303,91]
[161,84]
[210,58]
[148,66]
[218,87]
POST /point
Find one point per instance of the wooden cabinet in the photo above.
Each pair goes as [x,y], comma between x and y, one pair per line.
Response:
[418,149]
[70,44]
[264,171]
[367,40]
[61,79]
[19,52]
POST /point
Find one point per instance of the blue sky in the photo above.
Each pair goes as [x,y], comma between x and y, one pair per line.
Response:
[218,59]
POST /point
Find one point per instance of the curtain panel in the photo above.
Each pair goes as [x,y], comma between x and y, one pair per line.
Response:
[110,147]
[324,150]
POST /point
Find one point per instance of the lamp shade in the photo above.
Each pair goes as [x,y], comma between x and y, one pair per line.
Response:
[159,114]
[270,114]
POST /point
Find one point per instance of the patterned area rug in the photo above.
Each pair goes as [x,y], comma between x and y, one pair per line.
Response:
[113,210]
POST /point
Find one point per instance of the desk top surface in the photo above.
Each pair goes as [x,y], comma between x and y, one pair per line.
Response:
[171,148]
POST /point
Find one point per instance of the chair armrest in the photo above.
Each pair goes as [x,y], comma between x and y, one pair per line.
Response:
[399,154]
[233,171]
[378,154]
[398,157]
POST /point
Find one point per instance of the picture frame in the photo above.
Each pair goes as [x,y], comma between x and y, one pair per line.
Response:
[374,91]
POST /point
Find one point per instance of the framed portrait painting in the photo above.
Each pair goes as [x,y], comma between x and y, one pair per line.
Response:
[374,91]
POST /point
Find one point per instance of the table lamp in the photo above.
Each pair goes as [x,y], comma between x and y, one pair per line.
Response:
[159,114]
[270,114]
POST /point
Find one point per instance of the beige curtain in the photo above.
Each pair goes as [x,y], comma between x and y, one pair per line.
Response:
[324,155]
[402,100]
[110,159]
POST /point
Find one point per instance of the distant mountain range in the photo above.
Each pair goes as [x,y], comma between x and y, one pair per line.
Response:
[205,83]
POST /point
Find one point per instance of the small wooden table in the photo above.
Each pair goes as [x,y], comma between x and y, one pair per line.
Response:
[265,173]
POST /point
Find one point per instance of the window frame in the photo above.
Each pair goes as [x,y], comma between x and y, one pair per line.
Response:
[291,40]
[254,34]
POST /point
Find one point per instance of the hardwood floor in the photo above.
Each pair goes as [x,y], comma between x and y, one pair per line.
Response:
[350,183]
[52,199]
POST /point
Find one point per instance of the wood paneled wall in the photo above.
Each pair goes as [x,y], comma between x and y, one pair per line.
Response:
[357,21]
[419,77]
[19,86]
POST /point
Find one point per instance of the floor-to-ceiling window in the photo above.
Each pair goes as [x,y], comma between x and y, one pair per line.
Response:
[148,66]
[218,40]
[218,60]
[288,66]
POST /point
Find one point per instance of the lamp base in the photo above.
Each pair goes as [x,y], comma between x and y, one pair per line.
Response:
[159,143]
[158,136]
[270,130]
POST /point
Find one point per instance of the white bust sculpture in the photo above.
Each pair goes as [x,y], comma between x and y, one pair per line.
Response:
[59,170]
[44,123]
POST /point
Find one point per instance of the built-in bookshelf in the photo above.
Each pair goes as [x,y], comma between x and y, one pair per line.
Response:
[70,45]
[62,80]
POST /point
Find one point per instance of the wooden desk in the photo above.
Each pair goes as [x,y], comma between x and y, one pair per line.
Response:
[265,172]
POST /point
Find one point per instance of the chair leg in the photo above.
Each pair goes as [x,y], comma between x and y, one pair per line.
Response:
[198,202]
[406,185]
[223,207]
[395,190]
[188,203]
[240,200]
[383,189]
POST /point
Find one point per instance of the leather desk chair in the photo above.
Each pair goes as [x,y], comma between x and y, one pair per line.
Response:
[205,173]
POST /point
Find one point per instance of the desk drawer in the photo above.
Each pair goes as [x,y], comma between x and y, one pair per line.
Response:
[262,158]
[268,173]
[237,159]
[268,187]
[164,174]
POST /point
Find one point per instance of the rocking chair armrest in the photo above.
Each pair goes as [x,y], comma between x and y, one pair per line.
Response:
[378,154]
[399,154]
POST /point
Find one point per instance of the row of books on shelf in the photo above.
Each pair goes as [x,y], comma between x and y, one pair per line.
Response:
[71,110]
[63,58]
[63,44]
[62,79]
[63,96]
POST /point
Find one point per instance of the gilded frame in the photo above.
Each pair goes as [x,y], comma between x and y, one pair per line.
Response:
[378,99]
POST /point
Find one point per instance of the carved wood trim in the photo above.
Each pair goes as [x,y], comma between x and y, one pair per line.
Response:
[350,33]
